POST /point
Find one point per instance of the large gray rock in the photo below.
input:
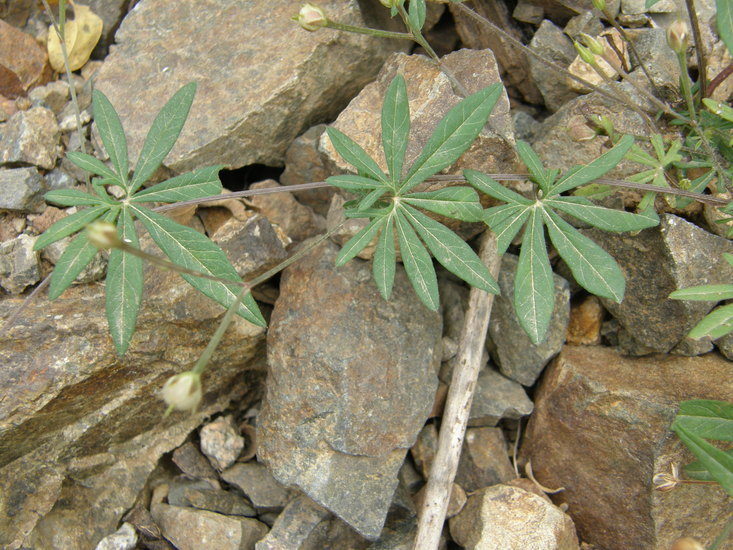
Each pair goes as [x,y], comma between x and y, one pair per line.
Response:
[21,189]
[551,43]
[261,79]
[352,380]
[601,430]
[497,397]
[19,265]
[659,60]
[31,137]
[657,261]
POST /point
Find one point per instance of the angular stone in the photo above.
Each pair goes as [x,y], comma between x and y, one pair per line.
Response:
[192,463]
[659,59]
[201,495]
[484,459]
[511,518]
[657,261]
[21,189]
[497,397]
[550,42]
[294,524]
[111,12]
[191,529]
[31,137]
[94,271]
[639,6]
[23,62]
[270,90]
[586,319]
[221,442]
[601,430]
[298,221]
[350,385]
[19,264]
[512,349]
[54,96]
[257,483]
[125,538]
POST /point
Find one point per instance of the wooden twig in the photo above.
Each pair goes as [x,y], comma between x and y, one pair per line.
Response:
[458,405]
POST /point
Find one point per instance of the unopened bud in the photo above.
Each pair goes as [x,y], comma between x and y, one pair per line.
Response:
[311,17]
[593,45]
[678,37]
[183,391]
[600,5]
[584,53]
[103,235]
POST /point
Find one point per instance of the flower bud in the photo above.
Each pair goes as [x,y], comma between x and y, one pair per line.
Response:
[600,5]
[584,53]
[593,45]
[311,17]
[103,235]
[183,391]
[678,37]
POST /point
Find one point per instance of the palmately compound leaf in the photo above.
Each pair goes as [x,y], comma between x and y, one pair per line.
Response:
[385,260]
[534,291]
[359,242]
[460,203]
[603,218]
[718,462]
[715,324]
[453,135]
[163,134]
[124,286]
[354,183]
[395,127]
[93,165]
[506,221]
[493,188]
[191,185]
[707,418]
[353,153]
[112,134]
[75,197]
[451,251]
[592,267]
[418,264]
[69,225]
[192,250]
[533,163]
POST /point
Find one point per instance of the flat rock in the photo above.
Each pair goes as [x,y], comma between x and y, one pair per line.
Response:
[22,189]
[676,254]
[497,397]
[550,42]
[518,358]
[294,525]
[19,264]
[258,485]
[256,91]
[31,137]
[201,495]
[23,62]
[125,538]
[659,59]
[511,518]
[192,463]
[297,220]
[601,430]
[484,459]
[352,380]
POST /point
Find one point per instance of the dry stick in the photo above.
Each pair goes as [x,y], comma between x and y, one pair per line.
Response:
[458,405]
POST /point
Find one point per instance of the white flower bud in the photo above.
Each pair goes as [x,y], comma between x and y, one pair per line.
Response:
[678,37]
[311,17]
[183,391]
[103,235]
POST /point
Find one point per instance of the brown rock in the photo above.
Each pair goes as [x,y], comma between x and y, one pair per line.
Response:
[192,463]
[23,62]
[49,217]
[297,220]
[586,318]
[601,430]
[257,483]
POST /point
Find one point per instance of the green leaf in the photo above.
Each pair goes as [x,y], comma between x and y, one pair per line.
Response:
[725,22]
[416,14]
[696,470]
[372,197]
[359,242]
[728,258]
[707,418]
[354,183]
[704,293]
[506,221]
[191,185]
[124,286]
[606,162]
[395,127]
[534,290]
[163,134]
[112,134]
[534,165]
[451,251]
[715,324]
[721,109]
[493,188]
[718,462]
[352,153]
[418,264]
[453,135]
[593,268]
[649,3]
[192,250]
[603,218]
[93,165]
[459,203]
[69,225]
[75,197]
[384,263]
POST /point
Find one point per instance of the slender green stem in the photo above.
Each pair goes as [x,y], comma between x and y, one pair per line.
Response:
[366,30]
[686,86]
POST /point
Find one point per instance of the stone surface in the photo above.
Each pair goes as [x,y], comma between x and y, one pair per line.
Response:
[31,137]
[294,524]
[201,495]
[22,189]
[23,62]
[111,12]
[511,518]
[352,379]
[297,220]
[92,272]
[192,463]
[550,42]
[257,483]
[53,96]
[657,261]
[510,346]
[190,529]
[221,442]
[639,6]
[586,319]
[271,90]
[19,264]
[497,397]
[125,538]
[601,430]
[660,61]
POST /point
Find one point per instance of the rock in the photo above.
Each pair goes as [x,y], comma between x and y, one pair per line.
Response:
[342,229]
[455,504]
[125,538]
[511,518]
[512,349]
[22,189]
[424,449]
[111,12]
[524,125]
[221,442]
[282,209]
[257,483]
[718,58]
[660,61]
[527,12]
[201,495]
[497,397]
[95,271]
[12,224]
[272,89]
[484,459]
[48,217]
[19,265]
[586,319]
[294,524]
[639,6]
[725,346]
[550,42]
[58,179]
[23,62]
[190,529]
[601,430]
[54,96]
[559,10]
[657,261]
[350,385]
[31,137]
[587,22]
[192,463]
[614,48]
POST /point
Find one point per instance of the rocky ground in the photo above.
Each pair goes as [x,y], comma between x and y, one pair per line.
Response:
[320,431]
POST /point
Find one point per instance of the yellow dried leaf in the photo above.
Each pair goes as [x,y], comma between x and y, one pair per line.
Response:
[80,36]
